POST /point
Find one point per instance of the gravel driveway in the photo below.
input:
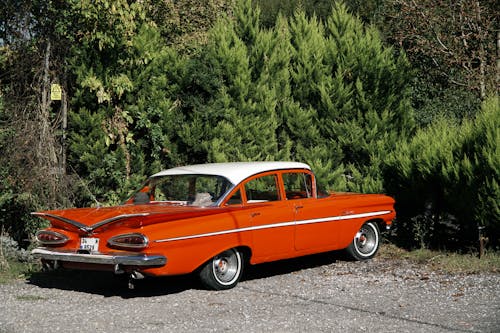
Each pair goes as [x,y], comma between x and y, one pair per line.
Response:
[313,294]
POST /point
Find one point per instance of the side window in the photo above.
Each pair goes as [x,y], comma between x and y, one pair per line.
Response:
[262,189]
[168,189]
[297,185]
[235,199]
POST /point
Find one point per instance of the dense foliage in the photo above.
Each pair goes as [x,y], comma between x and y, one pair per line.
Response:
[451,45]
[153,84]
[329,94]
[446,181]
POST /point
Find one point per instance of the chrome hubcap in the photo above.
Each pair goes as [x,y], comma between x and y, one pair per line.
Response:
[226,267]
[366,240]
[362,240]
[221,265]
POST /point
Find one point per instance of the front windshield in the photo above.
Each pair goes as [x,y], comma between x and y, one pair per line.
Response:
[192,190]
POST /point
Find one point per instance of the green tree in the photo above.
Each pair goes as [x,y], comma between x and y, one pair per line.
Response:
[331,95]
[232,119]
[271,9]
[370,11]
[32,53]
[446,181]
[121,98]
[359,90]
[308,69]
[184,24]
[453,46]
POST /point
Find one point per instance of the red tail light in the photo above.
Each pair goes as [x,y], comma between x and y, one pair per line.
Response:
[133,241]
[48,237]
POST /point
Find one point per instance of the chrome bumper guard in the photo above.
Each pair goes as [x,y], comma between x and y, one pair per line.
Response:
[126,259]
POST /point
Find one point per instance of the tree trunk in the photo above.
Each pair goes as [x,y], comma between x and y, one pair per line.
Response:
[498,64]
[64,126]
[482,55]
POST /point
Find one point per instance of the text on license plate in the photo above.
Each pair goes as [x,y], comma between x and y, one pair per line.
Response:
[90,244]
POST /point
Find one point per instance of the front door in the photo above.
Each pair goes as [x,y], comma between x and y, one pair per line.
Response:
[272,219]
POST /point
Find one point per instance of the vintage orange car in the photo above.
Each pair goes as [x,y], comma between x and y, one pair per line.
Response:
[213,219]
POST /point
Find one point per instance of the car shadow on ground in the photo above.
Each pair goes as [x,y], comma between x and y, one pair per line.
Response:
[260,271]
[108,284]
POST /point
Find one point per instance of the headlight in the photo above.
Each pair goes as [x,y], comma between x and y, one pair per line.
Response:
[132,241]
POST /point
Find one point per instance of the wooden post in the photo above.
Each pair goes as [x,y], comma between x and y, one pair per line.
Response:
[482,241]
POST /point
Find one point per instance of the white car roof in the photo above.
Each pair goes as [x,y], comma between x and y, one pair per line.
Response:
[235,172]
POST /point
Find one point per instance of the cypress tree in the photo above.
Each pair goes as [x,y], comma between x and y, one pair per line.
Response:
[356,90]
[238,119]
[446,181]
[214,129]
[308,71]
[364,104]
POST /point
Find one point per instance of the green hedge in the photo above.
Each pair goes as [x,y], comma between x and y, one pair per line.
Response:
[446,181]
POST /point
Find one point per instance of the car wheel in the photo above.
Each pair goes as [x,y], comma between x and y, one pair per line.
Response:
[365,243]
[222,271]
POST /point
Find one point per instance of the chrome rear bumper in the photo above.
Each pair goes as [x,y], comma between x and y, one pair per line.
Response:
[118,258]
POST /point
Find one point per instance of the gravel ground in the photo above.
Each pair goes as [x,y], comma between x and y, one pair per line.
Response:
[316,294]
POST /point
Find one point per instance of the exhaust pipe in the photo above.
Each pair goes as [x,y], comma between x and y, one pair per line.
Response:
[135,275]
[50,265]
[118,269]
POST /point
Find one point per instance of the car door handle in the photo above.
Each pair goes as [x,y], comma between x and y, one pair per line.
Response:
[254,214]
[299,207]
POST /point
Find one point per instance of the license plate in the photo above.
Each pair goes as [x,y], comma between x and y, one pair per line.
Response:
[89,244]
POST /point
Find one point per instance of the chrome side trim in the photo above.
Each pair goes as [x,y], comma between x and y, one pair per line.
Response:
[278,225]
[344,217]
[127,258]
[116,218]
[223,232]
[63,219]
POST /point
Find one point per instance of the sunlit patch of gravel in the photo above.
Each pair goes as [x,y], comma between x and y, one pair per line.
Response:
[316,294]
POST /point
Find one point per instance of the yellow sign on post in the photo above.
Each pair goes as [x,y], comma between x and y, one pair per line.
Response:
[55,92]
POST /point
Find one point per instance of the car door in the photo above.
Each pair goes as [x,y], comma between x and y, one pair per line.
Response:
[314,228]
[272,218]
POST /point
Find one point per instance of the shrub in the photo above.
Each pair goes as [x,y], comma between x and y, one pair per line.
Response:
[445,180]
